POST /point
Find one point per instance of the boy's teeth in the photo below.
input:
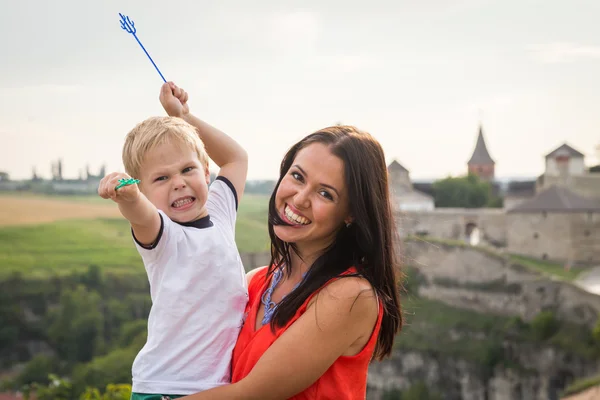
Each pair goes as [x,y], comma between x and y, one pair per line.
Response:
[294,217]
[182,202]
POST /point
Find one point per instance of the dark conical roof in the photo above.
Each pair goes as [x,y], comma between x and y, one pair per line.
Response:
[480,156]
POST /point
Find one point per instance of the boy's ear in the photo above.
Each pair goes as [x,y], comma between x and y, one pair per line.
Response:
[207,174]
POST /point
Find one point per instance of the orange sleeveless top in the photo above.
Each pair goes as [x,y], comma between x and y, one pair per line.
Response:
[345,379]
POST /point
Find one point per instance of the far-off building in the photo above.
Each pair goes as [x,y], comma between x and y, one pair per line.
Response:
[565,166]
[404,195]
[556,224]
[481,163]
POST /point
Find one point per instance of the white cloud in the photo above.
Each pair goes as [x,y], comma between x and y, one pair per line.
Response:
[563,52]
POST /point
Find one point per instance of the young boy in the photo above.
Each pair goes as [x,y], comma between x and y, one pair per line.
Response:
[184,232]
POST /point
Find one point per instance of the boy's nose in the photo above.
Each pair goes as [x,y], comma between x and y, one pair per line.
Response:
[178,182]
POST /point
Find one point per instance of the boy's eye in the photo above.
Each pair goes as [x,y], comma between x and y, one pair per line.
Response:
[160,178]
[188,169]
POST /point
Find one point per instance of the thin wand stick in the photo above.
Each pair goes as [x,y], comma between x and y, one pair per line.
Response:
[128,26]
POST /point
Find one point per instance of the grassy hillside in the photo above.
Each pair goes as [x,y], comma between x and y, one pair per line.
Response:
[71,245]
[544,267]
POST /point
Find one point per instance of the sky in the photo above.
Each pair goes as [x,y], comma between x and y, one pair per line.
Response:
[418,75]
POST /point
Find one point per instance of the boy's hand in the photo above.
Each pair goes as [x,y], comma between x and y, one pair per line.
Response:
[125,194]
[174,100]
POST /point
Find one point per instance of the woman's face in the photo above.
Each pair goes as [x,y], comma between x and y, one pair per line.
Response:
[312,197]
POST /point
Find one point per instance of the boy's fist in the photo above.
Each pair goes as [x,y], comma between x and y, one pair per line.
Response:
[174,100]
[107,189]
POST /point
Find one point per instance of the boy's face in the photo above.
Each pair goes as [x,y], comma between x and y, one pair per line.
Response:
[175,181]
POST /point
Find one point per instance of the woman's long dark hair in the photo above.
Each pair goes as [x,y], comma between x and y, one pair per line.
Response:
[369,243]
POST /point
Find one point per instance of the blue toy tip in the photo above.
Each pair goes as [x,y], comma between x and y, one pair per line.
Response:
[128,26]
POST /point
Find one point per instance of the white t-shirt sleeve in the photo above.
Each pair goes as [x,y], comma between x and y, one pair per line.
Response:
[163,246]
[222,202]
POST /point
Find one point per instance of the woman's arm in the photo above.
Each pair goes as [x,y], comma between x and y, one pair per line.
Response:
[342,314]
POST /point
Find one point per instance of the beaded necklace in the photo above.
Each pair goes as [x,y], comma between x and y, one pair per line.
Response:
[271,306]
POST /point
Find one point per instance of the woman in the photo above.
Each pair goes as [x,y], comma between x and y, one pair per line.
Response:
[328,303]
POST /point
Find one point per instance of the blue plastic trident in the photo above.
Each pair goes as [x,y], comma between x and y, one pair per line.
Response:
[129,27]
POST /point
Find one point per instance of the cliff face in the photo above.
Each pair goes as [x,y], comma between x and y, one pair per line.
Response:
[439,349]
[472,279]
[547,373]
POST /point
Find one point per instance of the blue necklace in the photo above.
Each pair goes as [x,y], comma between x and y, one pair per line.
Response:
[270,306]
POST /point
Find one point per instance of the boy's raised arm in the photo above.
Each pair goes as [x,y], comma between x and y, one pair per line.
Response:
[134,206]
[231,158]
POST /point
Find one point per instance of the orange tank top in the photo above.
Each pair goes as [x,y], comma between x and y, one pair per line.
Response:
[345,379]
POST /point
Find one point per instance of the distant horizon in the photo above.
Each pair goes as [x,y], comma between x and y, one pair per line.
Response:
[417,179]
[414,177]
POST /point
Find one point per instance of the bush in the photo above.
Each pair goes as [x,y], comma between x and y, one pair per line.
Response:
[544,325]
[37,370]
[596,332]
[113,392]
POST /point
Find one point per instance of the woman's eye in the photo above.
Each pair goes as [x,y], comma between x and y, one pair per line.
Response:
[326,194]
[297,176]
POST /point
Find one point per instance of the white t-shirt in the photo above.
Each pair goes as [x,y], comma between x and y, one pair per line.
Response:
[199,293]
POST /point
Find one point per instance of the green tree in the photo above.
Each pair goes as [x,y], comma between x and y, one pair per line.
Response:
[93,278]
[392,394]
[56,389]
[77,326]
[114,367]
[37,370]
[130,331]
[466,191]
[419,391]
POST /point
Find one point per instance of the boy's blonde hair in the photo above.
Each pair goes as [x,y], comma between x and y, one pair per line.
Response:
[154,131]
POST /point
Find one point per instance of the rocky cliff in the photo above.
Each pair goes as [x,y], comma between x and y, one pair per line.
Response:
[482,327]
[480,280]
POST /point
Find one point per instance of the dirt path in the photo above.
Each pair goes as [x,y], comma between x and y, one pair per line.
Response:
[590,394]
[26,210]
[590,281]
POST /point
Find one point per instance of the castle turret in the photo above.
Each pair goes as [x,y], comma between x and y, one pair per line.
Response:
[399,177]
[60,169]
[481,163]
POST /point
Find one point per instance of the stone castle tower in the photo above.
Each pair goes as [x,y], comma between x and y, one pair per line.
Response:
[481,163]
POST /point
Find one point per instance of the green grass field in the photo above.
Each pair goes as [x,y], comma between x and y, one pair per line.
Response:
[72,245]
[547,268]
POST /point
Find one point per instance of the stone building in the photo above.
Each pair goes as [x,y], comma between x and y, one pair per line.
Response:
[565,166]
[556,224]
[406,197]
[481,163]
[517,192]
